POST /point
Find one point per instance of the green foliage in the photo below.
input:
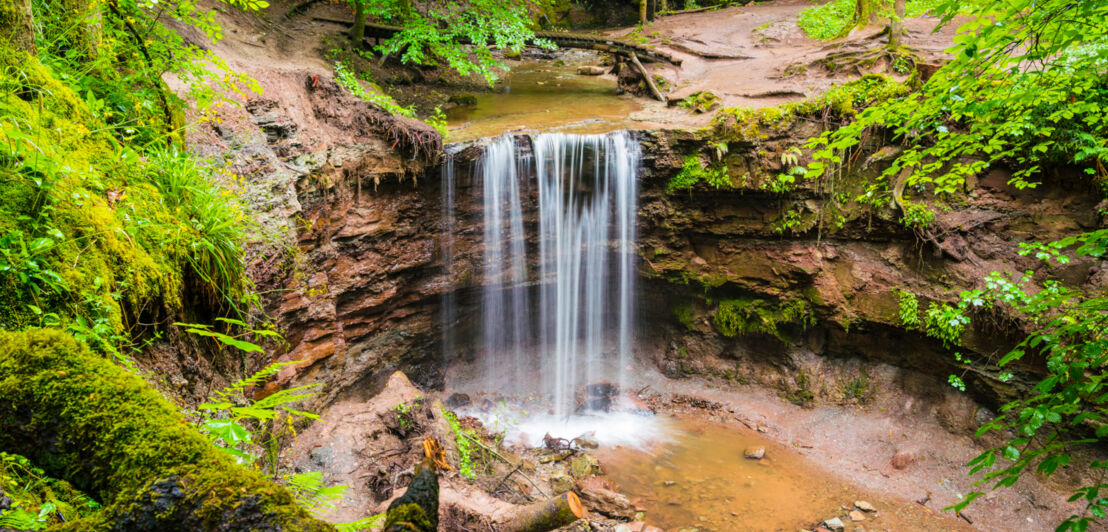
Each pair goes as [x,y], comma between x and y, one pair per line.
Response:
[1066,408]
[836,18]
[800,393]
[907,309]
[309,491]
[467,450]
[693,172]
[38,500]
[431,35]
[684,314]
[743,317]
[858,388]
[345,76]
[699,102]
[404,412]
[1025,88]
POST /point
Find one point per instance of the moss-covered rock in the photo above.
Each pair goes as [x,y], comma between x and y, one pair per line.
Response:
[103,429]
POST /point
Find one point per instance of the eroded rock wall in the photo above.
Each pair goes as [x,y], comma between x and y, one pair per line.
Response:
[707,251]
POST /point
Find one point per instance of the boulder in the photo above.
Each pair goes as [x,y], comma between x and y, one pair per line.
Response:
[561,483]
[591,70]
[584,465]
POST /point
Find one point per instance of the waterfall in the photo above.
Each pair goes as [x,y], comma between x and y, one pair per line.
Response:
[557,304]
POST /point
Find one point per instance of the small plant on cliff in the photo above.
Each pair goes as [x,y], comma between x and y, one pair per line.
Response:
[345,76]
[741,317]
[693,172]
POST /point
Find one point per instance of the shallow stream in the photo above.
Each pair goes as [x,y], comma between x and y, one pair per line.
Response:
[546,96]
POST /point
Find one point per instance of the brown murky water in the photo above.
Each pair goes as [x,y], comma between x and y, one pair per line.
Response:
[701,479]
[542,96]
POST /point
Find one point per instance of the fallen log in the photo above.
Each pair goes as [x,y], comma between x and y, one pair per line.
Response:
[85,419]
[646,76]
[546,515]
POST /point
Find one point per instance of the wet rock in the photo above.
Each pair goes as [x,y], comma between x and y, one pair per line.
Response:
[457,400]
[834,524]
[586,441]
[583,466]
[561,483]
[865,506]
[855,515]
[590,70]
[755,453]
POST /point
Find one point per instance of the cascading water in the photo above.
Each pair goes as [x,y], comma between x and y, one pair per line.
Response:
[557,304]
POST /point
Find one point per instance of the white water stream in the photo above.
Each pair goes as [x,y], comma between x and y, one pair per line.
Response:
[558,291]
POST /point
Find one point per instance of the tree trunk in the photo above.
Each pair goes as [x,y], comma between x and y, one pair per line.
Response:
[546,515]
[417,510]
[357,31]
[17,25]
[84,419]
[642,13]
[896,25]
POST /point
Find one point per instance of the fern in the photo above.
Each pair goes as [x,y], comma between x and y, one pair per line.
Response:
[310,492]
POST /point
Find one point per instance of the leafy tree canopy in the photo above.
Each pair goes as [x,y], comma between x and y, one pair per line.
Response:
[438,30]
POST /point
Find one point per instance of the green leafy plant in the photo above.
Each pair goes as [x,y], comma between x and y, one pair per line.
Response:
[465,439]
[37,500]
[345,76]
[693,172]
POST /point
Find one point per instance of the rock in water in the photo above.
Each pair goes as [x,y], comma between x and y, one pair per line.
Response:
[586,441]
[834,524]
[590,70]
[755,453]
[855,515]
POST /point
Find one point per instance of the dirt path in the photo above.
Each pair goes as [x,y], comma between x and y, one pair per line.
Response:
[756,56]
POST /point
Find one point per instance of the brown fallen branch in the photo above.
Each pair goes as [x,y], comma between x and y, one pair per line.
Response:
[488,449]
[546,515]
[646,76]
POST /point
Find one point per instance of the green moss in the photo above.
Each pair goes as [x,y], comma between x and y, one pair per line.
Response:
[699,102]
[800,393]
[684,313]
[113,436]
[408,514]
[744,317]
[115,242]
[693,172]
[845,100]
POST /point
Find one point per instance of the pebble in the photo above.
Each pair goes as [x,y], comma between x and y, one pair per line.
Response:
[755,453]
[865,506]
[834,524]
[855,515]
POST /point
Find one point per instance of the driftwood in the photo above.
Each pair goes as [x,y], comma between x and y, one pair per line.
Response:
[646,76]
[546,515]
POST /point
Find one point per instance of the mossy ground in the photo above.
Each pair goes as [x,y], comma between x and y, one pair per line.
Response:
[115,437]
